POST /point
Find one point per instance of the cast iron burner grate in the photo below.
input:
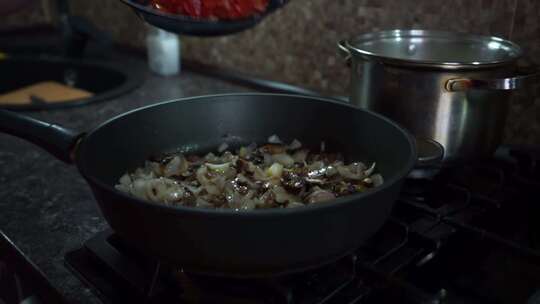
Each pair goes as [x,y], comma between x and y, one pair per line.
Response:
[118,274]
[470,235]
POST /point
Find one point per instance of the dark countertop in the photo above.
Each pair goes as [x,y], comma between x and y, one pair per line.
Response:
[46,208]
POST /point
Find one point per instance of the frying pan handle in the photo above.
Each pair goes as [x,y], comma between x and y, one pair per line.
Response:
[55,139]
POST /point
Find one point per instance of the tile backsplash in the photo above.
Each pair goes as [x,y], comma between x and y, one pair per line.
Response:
[297,44]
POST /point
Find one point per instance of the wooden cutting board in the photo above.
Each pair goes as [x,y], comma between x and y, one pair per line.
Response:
[46,91]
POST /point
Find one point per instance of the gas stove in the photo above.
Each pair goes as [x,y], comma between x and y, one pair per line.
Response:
[470,234]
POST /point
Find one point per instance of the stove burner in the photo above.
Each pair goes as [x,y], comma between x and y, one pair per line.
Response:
[468,235]
[102,256]
[136,279]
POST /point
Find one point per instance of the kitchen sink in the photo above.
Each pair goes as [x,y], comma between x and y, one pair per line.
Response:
[105,79]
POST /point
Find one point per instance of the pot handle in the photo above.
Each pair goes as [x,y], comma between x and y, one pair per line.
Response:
[342,45]
[512,83]
[55,139]
[429,152]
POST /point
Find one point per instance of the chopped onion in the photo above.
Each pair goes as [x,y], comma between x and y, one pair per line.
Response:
[139,188]
[227,157]
[315,181]
[248,205]
[155,167]
[244,152]
[273,149]
[284,159]
[317,173]
[295,144]
[274,139]
[219,181]
[123,188]
[125,180]
[320,196]
[377,180]
[294,205]
[358,166]
[212,189]
[245,180]
[219,168]
[201,175]
[352,171]
[194,190]
[259,174]
[249,195]
[201,203]
[275,170]
[274,175]
[224,146]
[210,157]
[282,196]
[163,190]
[330,171]
[315,166]
[300,156]
[370,170]
[176,166]
[267,158]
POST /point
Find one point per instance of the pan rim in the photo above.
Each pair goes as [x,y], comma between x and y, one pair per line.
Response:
[340,201]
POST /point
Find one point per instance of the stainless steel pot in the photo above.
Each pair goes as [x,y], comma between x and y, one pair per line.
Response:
[453,88]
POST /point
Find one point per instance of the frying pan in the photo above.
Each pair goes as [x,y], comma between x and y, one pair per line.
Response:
[225,242]
[187,25]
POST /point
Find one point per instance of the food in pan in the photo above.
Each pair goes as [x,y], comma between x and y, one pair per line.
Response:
[211,9]
[273,175]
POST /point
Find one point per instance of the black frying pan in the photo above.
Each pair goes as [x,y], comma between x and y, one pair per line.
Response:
[225,242]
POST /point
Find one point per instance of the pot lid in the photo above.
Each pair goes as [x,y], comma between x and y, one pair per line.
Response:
[434,48]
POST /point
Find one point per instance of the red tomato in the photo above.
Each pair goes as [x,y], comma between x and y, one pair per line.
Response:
[211,9]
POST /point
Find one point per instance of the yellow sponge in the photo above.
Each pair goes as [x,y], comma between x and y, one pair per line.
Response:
[46,91]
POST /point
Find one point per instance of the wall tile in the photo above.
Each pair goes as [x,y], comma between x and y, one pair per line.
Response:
[113,17]
[308,56]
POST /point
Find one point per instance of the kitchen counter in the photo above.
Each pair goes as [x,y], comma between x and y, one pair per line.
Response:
[46,208]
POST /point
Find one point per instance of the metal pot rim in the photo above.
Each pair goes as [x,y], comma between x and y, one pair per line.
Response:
[500,51]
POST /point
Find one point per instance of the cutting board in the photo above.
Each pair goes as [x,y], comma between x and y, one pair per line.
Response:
[46,91]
